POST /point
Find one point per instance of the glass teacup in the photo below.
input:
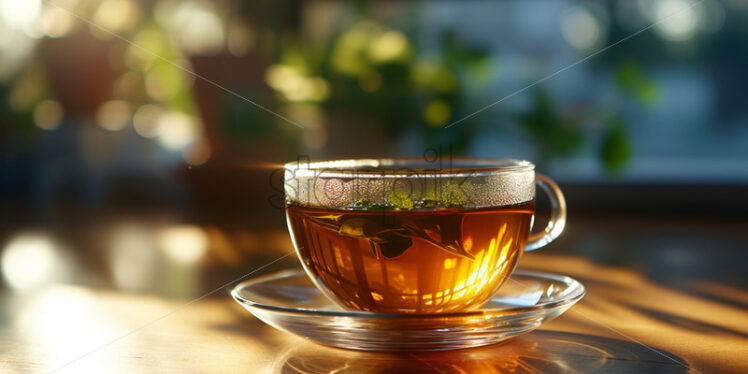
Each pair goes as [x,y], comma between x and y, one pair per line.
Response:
[409,236]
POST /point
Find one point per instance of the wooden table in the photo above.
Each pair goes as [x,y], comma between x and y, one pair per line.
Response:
[628,322]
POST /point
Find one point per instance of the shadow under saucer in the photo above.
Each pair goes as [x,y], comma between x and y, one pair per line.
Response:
[539,352]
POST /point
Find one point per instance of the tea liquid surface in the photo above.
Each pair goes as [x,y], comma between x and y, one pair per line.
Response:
[410,261]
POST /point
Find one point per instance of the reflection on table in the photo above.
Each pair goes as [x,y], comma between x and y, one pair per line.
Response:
[543,351]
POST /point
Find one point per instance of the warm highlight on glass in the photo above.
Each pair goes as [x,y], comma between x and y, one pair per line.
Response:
[411,236]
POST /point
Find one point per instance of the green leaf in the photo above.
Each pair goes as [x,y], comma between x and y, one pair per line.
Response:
[648,93]
[361,228]
[401,199]
[634,82]
[616,149]
[453,195]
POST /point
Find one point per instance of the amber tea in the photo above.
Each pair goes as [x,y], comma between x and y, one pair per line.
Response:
[419,261]
[397,236]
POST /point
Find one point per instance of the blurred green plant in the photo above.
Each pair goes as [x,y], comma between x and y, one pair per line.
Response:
[374,72]
[617,149]
[633,81]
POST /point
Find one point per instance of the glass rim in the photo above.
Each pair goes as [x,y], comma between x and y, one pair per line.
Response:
[403,167]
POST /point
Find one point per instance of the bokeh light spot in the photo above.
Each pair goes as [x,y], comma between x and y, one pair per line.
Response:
[55,23]
[19,14]
[677,19]
[117,15]
[437,113]
[176,130]
[163,82]
[580,28]
[114,115]
[28,261]
[389,47]
[198,27]
[145,120]
[184,244]
[241,39]
[48,114]
[197,153]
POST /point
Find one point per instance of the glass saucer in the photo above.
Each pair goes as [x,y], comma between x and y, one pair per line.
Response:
[289,301]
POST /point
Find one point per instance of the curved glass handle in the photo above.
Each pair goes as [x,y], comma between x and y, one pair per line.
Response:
[558,215]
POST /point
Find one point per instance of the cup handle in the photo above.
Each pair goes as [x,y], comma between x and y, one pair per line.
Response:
[558,215]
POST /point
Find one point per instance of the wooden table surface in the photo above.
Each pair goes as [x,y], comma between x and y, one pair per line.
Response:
[633,319]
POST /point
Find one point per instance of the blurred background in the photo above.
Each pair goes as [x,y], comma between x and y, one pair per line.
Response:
[120,168]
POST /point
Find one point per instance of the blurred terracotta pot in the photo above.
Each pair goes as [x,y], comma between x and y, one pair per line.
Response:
[79,72]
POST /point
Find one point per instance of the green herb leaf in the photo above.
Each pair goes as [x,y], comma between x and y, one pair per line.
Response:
[401,200]
[616,149]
